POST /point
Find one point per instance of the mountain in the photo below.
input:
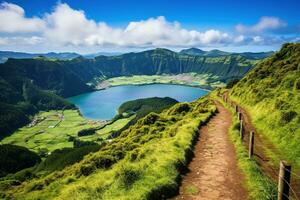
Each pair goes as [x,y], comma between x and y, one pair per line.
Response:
[271,93]
[93,55]
[164,61]
[193,52]
[199,52]
[217,53]
[4,55]
[33,84]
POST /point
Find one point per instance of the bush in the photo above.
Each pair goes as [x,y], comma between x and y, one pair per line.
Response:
[232,83]
[15,158]
[85,132]
[61,158]
[80,143]
[288,116]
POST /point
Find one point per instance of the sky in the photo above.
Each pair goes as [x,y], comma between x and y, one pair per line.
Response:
[135,25]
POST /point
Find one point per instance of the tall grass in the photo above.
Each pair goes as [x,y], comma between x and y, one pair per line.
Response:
[271,94]
[258,184]
[144,162]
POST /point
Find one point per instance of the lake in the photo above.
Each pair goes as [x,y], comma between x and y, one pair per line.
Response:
[103,104]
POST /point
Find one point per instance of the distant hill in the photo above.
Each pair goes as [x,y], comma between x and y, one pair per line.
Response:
[93,55]
[4,55]
[217,53]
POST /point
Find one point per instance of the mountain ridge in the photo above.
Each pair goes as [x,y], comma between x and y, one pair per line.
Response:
[215,52]
[50,79]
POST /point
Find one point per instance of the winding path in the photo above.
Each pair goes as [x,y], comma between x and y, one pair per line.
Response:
[214,173]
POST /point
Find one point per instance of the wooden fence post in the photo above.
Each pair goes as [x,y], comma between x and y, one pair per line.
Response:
[239,116]
[236,108]
[251,144]
[284,181]
[241,129]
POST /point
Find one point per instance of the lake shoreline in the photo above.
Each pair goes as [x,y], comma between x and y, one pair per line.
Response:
[143,84]
[102,104]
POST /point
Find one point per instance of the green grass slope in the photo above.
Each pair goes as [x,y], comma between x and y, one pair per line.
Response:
[271,93]
[144,162]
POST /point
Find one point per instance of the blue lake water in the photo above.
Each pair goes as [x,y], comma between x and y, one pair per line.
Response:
[103,104]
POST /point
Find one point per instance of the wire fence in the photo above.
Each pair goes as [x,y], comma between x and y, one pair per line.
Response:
[292,186]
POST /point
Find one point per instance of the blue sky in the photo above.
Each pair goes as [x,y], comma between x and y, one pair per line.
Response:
[110,25]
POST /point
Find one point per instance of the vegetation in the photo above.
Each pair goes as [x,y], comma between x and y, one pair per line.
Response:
[231,83]
[88,131]
[206,81]
[140,108]
[50,131]
[61,158]
[131,166]
[144,106]
[36,84]
[271,94]
[258,184]
[15,158]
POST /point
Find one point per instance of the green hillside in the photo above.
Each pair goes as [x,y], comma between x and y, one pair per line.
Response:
[271,94]
[144,162]
[141,107]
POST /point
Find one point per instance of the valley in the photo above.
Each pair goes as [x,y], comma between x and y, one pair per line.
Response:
[149,100]
[108,137]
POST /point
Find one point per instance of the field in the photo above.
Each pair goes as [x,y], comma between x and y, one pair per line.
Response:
[52,130]
[192,79]
[108,129]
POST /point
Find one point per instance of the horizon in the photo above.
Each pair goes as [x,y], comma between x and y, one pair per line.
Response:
[142,50]
[74,26]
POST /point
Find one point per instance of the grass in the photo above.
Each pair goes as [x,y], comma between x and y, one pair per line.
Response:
[51,133]
[192,190]
[258,185]
[144,162]
[271,94]
[108,129]
[191,79]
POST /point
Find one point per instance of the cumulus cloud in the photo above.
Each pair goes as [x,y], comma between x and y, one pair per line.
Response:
[21,40]
[72,27]
[264,24]
[65,26]
[13,19]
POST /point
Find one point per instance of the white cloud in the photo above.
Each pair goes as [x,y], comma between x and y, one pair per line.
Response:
[13,20]
[21,40]
[65,27]
[70,26]
[264,24]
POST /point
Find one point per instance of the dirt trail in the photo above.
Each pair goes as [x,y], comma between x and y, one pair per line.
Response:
[214,173]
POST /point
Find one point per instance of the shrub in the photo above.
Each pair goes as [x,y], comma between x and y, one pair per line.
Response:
[288,116]
[61,158]
[88,131]
[15,158]
[232,83]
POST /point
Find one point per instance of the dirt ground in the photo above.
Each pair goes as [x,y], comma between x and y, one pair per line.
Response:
[214,173]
